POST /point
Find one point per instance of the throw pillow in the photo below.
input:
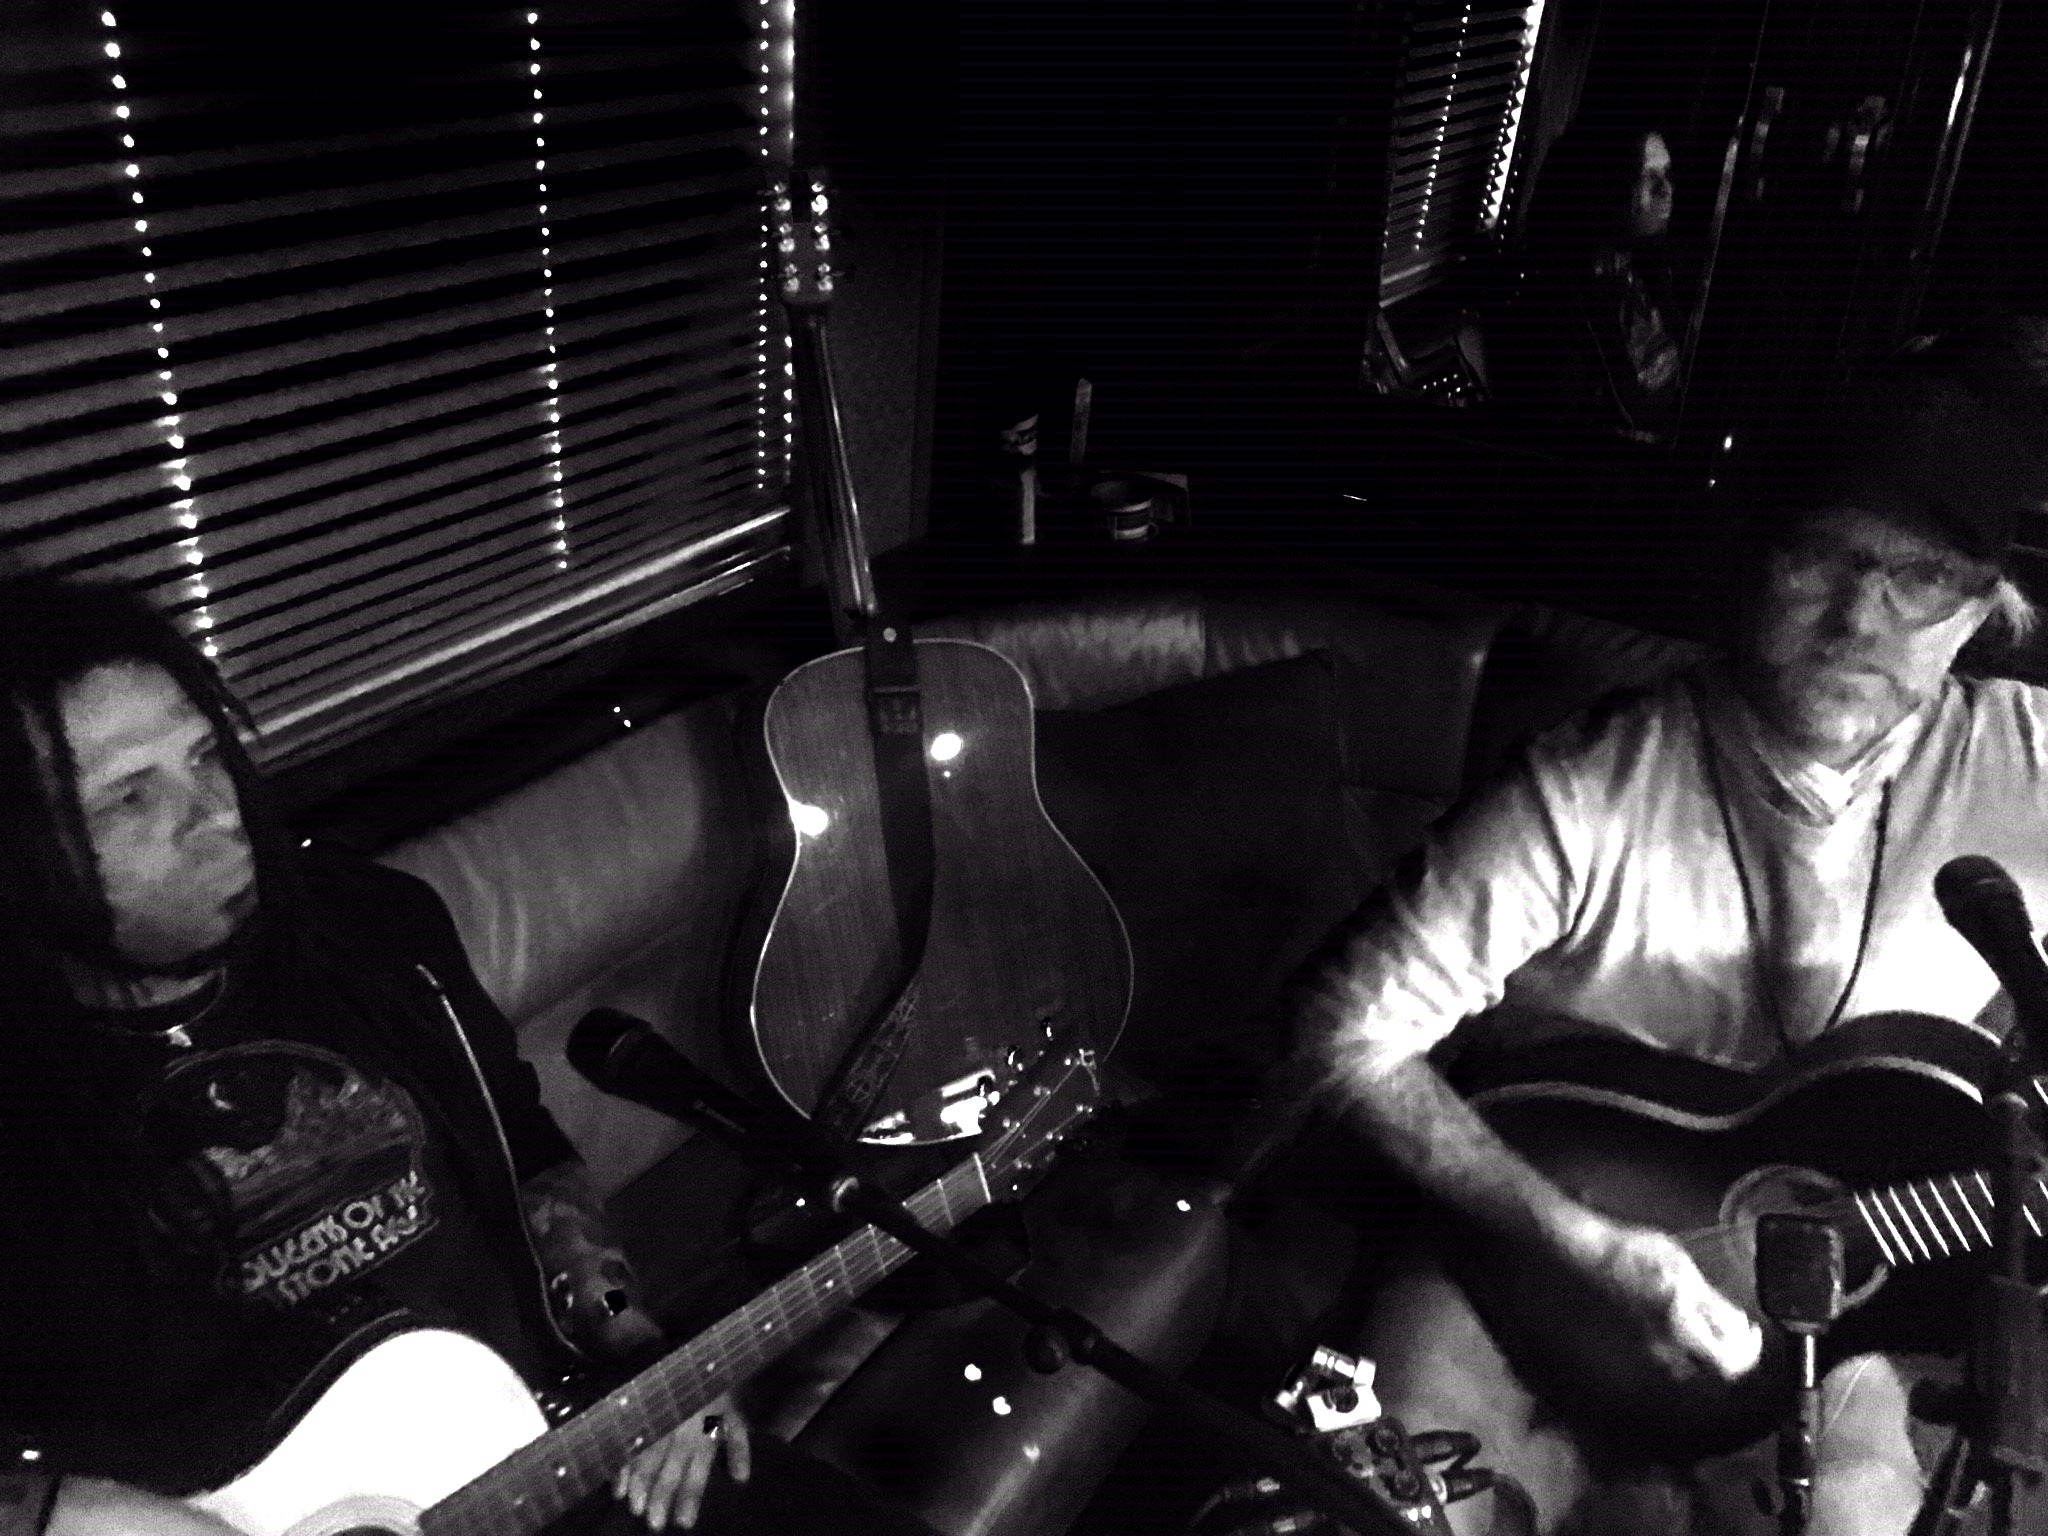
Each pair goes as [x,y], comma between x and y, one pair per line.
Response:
[1215,814]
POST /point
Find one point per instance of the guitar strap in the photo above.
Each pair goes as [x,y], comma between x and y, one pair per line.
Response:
[895,711]
[903,796]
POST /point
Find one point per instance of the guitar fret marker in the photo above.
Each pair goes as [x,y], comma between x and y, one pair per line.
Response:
[548,1475]
[1962,1237]
[1927,1216]
[1877,1232]
[1891,1222]
[1906,1224]
[1970,1206]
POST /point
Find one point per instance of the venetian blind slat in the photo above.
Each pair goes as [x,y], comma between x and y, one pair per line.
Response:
[349,349]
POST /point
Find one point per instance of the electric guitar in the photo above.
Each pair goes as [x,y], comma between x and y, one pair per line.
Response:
[1879,1126]
[431,1433]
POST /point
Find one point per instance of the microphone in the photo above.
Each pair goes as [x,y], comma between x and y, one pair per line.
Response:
[624,1056]
[1983,903]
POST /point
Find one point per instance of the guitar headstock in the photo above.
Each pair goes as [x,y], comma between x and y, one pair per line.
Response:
[1060,1092]
[802,212]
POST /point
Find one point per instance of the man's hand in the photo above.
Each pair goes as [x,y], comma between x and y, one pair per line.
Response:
[1690,1324]
[1413,1114]
[590,1286]
[664,1485]
[596,1303]
[93,1506]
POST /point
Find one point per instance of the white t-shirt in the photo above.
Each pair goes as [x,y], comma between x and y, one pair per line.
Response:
[1652,867]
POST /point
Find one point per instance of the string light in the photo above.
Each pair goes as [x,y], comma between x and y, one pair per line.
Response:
[1436,151]
[1511,129]
[551,408]
[774,91]
[176,467]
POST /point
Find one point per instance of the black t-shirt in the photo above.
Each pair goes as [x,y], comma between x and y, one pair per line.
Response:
[284,1158]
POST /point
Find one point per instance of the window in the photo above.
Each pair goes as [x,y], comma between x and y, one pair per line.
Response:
[1457,109]
[394,347]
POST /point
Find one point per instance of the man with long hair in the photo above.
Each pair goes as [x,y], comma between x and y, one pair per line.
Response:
[1593,335]
[258,1111]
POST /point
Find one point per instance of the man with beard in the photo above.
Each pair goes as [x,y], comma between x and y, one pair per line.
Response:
[255,1104]
[1725,866]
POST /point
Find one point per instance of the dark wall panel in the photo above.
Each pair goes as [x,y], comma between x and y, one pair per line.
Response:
[875,106]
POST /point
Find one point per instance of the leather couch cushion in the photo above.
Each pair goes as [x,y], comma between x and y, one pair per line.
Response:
[1547,664]
[614,881]
[1412,664]
[1210,812]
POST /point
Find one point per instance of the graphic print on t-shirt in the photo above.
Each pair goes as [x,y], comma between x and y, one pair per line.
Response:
[296,1166]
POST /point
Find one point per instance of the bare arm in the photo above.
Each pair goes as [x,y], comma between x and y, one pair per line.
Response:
[1503,881]
[1412,1114]
[1439,1140]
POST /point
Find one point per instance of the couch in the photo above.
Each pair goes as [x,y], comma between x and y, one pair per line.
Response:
[1239,766]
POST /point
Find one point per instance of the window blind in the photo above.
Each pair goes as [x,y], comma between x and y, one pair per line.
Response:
[1457,106]
[392,347]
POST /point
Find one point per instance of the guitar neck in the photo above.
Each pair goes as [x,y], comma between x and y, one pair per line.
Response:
[538,1483]
[829,470]
[808,280]
[1938,1218]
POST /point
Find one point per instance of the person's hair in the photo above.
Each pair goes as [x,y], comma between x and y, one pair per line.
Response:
[53,906]
[52,633]
[1950,432]
[2014,616]
[2001,358]
[1586,187]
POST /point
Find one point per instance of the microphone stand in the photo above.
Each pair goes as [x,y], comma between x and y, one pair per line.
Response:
[1799,1287]
[787,1147]
[2000,1416]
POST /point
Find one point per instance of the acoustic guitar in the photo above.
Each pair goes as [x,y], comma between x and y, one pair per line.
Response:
[1879,1126]
[887,1035]
[430,1432]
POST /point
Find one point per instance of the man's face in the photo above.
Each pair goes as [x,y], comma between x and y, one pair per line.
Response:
[1854,627]
[162,813]
[1649,211]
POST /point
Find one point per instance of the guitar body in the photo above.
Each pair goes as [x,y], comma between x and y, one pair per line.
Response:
[1023,938]
[408,1423]
[431,1433]
[1702,1152]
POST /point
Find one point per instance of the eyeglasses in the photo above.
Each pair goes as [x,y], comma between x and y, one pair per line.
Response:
[1916,593]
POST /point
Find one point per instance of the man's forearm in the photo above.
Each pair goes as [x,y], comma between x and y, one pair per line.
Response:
[561,1206]
[1440,1141]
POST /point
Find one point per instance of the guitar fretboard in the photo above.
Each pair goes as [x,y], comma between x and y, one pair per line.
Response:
[1938,1218]
[539,1483]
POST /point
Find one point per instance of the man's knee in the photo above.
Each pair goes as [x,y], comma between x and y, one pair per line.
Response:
[1867,1479]
[1440,1369]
